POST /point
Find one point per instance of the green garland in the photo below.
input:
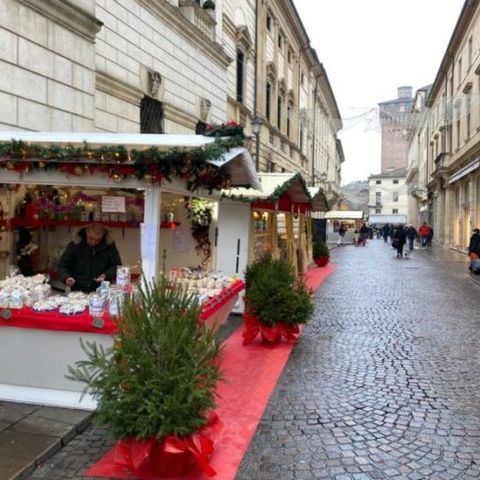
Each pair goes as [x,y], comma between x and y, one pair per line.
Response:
[150,165]
[201,215]
[276,194]
[281,189]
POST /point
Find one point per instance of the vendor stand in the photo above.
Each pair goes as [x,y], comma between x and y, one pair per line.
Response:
[275,220]
[36,347]
[349,219]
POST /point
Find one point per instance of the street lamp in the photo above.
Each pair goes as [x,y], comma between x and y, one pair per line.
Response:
[256,125]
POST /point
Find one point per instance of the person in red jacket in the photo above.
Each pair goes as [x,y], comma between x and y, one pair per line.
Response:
[424,232]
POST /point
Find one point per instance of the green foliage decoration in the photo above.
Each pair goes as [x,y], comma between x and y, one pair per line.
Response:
[161,375]
[152,163]
[320,249]
[275,294]
[201,213]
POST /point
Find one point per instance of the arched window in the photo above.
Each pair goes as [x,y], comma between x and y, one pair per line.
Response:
[151,115]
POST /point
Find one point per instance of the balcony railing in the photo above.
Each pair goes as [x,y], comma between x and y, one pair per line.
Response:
[203,19]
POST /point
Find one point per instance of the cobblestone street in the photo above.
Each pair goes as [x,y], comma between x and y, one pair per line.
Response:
[385,382]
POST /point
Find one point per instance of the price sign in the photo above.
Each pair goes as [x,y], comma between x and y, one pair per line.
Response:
[113,204]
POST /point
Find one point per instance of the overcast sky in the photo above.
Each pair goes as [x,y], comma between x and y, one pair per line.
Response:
[369,48]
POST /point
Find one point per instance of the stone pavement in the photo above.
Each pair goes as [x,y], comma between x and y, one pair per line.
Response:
[31,433]
[385,382]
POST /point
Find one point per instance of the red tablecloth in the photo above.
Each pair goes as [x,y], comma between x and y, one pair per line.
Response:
[82,322]
[54,320]
[212,306]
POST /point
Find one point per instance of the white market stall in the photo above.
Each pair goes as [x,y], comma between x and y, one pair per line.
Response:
[34,352]
[349,219]
[275,219]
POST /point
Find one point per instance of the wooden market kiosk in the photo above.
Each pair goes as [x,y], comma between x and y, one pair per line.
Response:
[275,219]
[37,347]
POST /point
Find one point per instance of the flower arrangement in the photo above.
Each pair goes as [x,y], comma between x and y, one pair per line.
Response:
[229,129]
[201,213]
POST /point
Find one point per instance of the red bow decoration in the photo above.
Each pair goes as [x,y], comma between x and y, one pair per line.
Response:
[252,327]
[170,457]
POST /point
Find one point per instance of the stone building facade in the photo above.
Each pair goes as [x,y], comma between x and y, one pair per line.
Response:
[448,157]
[172,66]
[388,194]
[298,113]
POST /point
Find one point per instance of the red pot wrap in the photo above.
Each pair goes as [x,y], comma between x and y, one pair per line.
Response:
[252,327]
[171,457]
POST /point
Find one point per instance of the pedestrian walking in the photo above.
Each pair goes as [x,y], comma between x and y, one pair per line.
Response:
[356,237]
[364,233]
[341,235]
[424,232]
[385,232]
[474,247]
[430,236]
[399,240]
[411,236]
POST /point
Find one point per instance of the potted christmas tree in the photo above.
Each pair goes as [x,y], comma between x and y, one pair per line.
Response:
[320,253]
[277,302]
[156,387]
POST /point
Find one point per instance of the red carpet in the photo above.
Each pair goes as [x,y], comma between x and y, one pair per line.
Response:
[252,373]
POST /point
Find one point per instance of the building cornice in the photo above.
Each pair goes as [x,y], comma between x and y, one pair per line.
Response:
[174,114]
[107,84]
[68,15]
[173,18]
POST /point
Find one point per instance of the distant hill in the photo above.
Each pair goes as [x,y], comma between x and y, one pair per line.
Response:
[355,194]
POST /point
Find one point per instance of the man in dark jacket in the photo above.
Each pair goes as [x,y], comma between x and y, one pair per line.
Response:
[89,258]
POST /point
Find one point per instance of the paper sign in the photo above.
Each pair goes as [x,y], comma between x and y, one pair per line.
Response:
[113,204]
[148,241]
[181,241]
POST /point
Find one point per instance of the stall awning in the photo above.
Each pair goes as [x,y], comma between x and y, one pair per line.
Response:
[237,161]
[276,188]
[319,200]
[344,215]
[241,168]
[395,219]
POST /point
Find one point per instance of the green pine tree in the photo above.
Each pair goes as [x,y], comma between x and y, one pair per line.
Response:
[161,375]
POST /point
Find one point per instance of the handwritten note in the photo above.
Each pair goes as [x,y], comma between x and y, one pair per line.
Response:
[113,204]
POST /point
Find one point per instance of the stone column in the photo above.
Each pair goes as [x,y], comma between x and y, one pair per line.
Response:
[449,215]
[441,220]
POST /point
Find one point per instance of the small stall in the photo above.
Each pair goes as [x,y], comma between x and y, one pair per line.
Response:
[275,219]
[349,219]
[156,193]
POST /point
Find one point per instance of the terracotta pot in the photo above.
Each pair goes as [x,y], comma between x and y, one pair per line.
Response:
[321,261]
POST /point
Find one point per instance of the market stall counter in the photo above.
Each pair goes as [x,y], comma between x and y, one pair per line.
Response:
[50,341]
